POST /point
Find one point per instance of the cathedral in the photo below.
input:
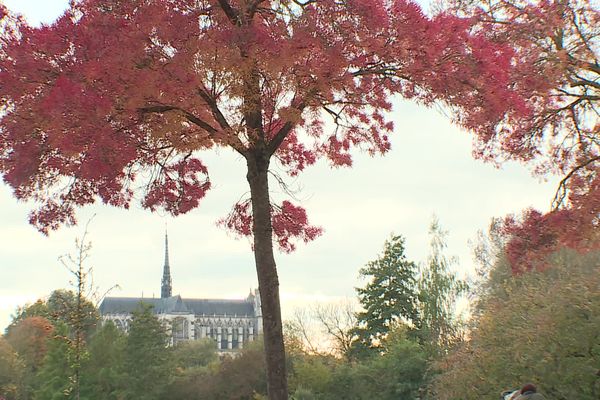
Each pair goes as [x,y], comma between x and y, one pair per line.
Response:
[231,323]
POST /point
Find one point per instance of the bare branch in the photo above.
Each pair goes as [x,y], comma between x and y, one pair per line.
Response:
[231,13]
[285,187]
[235,143]
[214,108]
[561,192]
[304,3]
[300,325]
[585,82]
[594,67]
[188,115]
[338,319]
[280,136]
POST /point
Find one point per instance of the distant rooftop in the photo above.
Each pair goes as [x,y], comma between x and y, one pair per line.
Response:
[177,305]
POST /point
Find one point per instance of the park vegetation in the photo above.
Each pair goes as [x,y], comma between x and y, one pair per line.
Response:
[117,101]
[406,339]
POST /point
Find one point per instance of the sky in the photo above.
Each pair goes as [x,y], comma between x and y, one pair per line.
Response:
[429,171]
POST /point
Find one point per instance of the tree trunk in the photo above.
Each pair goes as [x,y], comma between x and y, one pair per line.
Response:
[268,282]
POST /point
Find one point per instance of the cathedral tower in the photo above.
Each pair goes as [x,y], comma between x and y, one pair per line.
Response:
[165,288]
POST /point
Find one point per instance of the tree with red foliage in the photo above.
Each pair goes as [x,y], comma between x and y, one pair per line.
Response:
[29,338]
[117,98]
[558,40]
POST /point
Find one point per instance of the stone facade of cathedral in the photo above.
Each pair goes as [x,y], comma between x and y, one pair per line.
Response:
[231,323]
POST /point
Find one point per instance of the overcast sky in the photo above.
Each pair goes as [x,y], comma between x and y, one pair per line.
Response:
[429,171]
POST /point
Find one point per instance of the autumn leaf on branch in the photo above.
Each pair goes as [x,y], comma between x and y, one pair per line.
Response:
[558,76]
[289,222]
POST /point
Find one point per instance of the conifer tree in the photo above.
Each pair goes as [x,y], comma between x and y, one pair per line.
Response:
[390,296]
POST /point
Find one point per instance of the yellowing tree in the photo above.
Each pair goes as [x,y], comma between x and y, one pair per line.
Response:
[545,331]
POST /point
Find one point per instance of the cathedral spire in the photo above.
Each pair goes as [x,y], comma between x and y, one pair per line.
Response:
[165,288]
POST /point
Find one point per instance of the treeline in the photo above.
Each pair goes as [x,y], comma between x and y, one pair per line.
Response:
[541,326]
[406,341]
[37,360]
[384,351]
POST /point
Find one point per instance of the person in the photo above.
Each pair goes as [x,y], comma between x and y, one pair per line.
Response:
[529,392]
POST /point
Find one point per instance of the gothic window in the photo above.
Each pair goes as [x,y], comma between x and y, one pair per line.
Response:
[179,329]
[235,340]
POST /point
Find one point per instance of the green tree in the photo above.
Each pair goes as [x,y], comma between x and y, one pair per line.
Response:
[55,376]
[76,316]
[195,353]
[545,331]
[439,289]
[243,376]
[302,393]
[147,359]
[311,373]
[397,371]
[390,295]
[346,383]
[11,372]
[58,308]
[73,309]
[103,374]
[195,364]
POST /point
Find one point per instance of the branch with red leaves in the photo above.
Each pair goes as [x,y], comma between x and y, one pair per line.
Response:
[289,222]
[253,76]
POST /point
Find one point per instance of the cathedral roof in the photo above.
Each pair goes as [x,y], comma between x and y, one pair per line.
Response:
[177,305]
[220,307]
[168,304]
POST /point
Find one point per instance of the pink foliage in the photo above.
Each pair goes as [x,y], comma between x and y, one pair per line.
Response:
[180,187]
[118,97]
[289,224]
[555,43]
[534,236]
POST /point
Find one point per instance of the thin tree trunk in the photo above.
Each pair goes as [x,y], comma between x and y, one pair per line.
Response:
[268,282]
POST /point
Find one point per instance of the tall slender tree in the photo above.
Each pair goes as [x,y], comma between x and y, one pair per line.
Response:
[390,296]
[118,97]
[80,314]
[439,289]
